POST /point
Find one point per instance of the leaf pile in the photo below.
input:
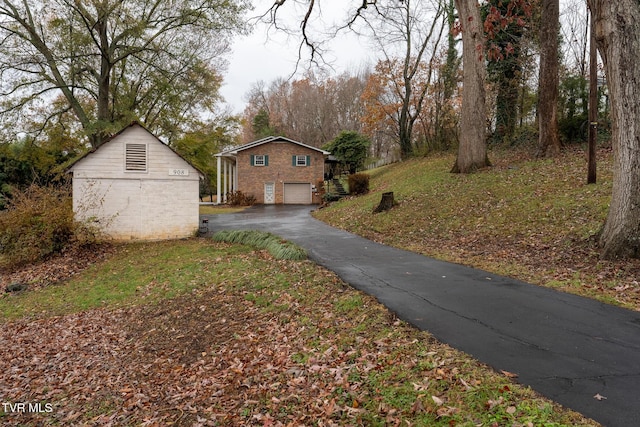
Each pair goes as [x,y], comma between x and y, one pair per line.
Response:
[268,343]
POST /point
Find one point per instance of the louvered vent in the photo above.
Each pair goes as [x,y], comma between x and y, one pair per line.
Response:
[136,157]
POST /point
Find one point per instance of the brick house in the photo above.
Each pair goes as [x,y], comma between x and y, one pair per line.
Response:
[137,188]
[275,170]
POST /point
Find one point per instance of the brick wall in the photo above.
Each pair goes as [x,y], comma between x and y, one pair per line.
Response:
[251,179]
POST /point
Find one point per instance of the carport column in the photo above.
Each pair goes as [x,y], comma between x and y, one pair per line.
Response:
[226,180]
[218,171]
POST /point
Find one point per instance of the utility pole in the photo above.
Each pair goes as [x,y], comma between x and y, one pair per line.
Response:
[593,100]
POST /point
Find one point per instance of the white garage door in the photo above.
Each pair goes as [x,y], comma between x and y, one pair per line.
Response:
[299,194]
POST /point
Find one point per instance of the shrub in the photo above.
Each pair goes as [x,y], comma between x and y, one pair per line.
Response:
[330,197]
[574,129]
[39,222]
[358,183]
[238,198]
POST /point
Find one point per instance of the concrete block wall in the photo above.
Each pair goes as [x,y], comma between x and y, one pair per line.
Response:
[138,209]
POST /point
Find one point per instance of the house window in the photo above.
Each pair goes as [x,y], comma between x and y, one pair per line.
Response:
[259,160]
[301,161]
[135,157]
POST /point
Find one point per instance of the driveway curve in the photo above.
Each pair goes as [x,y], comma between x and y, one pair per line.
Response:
[567,347]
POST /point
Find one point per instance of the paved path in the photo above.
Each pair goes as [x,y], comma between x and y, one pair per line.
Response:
[566,347]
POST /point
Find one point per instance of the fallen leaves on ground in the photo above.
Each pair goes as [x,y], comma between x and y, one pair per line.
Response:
[314,352]
[56,268]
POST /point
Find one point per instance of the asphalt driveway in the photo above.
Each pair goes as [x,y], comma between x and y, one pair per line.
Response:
[566,347]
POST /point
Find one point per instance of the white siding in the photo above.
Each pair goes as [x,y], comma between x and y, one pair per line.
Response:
[108,160]
[148,205]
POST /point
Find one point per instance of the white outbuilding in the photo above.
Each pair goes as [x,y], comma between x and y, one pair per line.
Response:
[137,188]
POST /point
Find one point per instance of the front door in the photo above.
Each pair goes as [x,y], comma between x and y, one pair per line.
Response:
[269,190]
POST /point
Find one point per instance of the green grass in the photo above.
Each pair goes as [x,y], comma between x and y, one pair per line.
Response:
[139,273]
[353,353]
[513,198]
[535,220]
[348,303]
[277,247]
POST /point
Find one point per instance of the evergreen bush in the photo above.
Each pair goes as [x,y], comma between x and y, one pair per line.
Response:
[358,183]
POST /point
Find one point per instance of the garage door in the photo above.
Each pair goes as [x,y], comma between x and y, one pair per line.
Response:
[299,194]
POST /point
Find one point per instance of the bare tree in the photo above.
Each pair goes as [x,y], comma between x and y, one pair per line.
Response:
[311,109]
[574,29]
[408,35]
[346,90]
[409,29]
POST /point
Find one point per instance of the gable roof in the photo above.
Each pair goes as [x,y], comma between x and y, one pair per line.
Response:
[117,134]
[235,150]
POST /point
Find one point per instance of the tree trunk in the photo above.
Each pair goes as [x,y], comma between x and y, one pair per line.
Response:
[104,84]
[549,140]
[618,35]
[404,133]
[472,151]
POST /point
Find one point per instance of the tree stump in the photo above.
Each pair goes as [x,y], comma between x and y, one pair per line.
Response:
[386,202]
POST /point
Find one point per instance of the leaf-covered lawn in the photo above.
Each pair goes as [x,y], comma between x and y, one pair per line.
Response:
[535,220]
[244,339]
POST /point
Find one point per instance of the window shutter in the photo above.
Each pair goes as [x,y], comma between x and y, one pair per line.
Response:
[308,160]
[136,157]
[293,160]
[266,160]
[253,162]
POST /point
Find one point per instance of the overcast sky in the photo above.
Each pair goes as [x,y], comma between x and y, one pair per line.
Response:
[268,54]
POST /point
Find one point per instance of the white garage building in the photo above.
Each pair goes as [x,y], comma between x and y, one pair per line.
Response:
[137,188]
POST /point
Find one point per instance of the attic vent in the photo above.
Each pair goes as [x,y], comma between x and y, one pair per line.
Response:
[136,157]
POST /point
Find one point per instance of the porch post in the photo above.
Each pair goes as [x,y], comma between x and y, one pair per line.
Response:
[226,180]
[218,167]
